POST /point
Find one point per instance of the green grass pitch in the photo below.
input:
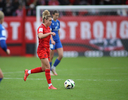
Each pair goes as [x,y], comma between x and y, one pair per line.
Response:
[103,78]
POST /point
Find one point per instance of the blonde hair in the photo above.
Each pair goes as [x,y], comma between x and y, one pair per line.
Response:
[1,15]
[45,15]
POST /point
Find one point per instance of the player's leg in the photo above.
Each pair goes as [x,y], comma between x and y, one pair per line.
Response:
[1,75]
[51,57]
[60,53]
[35,70]
[52,48]
[46,64]
[59,49]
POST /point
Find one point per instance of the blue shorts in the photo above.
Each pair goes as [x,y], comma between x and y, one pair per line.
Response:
[57,45]
[3,45]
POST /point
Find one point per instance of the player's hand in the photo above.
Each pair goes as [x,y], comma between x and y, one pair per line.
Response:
[53,42]
[52,33]
[8,51]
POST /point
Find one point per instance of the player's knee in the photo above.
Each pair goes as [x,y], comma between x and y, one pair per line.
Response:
[51,57]
[61,56]
[1,75]
[47,66]
[43,69]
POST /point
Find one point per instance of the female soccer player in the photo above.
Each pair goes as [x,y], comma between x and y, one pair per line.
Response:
[43,51]
[2,39]
[55,26]
[1,75]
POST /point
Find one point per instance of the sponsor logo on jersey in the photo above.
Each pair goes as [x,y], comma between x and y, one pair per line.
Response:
[40,29]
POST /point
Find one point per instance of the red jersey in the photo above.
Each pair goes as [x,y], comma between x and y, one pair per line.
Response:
[43,43]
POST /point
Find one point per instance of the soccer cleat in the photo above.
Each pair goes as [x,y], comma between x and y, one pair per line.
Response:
[54,71]
[26,75]
[51,73]
[52,87]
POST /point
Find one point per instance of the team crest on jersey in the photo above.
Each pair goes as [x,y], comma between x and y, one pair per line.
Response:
[40,29]
[57,24]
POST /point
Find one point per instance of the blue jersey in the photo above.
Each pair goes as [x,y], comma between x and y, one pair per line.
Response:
[2,33]
[55,26]
[3,38]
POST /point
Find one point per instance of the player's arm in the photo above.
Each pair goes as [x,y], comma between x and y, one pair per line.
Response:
[59,33]
[59,29]
[41,35]
[52,41]
[3,42]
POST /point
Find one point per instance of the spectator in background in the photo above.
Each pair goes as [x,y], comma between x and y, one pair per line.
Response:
[83,2]
[107,2]
[64,2]
[76,2]
[36,2]
[126,2]
[8,9]
[53,2]
[27,3]
[101,2]
[122,2]
[15,5]
[19,11]
[32,6]
[71,2]
[2,4]
[46,2]
[42,2]
[114,2]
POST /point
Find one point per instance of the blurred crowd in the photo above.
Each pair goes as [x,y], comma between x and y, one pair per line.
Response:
[15,7]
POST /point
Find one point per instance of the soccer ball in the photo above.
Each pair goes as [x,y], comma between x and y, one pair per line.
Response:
[69,84]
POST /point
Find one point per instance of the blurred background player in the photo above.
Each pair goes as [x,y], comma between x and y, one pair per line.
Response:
[55,26]
[2,39]
[1,75]
[43,51]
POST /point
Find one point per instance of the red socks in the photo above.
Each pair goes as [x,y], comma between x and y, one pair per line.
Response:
[36,70]
[47,73]
[48,77]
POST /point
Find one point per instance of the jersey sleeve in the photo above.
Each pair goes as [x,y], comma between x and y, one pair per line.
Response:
[40,30]
[2,34]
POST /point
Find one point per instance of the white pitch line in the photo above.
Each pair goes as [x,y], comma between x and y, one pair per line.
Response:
[13,72]
[37,79]
[64,79]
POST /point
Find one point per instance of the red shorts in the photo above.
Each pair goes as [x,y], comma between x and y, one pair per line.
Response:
[44,53]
